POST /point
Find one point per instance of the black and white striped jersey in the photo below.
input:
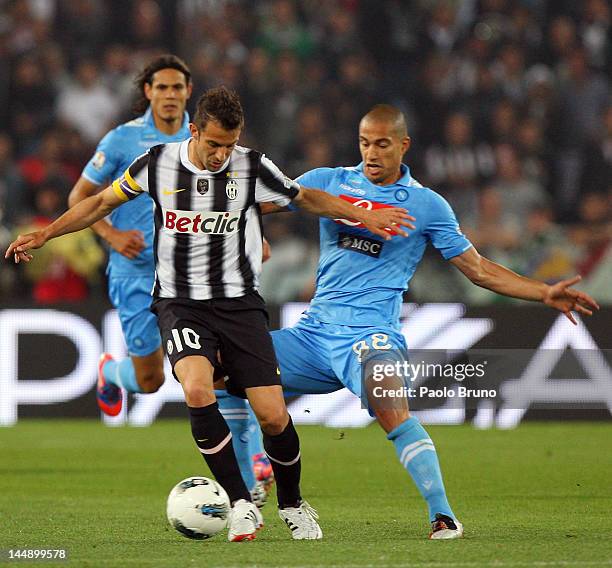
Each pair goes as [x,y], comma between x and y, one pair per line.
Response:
[208,235]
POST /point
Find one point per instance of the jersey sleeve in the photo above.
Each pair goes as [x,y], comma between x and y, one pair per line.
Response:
[442,228]
[273,185]
[105,161]
[134,180]
[319,178]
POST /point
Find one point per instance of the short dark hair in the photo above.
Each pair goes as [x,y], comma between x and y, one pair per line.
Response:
[166,61]
[222,105]
[390,114]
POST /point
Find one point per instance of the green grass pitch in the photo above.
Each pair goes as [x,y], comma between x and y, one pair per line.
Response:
[540,495]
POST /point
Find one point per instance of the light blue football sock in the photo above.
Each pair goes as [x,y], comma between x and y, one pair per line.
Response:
[236,413]
[122,374]
[417,454]
[256,439]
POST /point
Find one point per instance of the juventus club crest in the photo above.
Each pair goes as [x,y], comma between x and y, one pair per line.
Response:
[231,189]
[202,186]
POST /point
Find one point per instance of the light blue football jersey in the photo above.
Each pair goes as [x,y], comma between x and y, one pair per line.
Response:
[361,277]
[115,152]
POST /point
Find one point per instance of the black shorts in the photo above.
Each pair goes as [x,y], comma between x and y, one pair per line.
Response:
[235,328]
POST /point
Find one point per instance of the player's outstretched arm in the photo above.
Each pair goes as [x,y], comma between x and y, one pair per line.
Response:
[497,278]
[128,243]
[82,215]
[376,221]
[268,207]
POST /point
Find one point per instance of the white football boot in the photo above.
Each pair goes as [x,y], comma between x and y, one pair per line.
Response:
[302,522]
[445,528]
[244,520]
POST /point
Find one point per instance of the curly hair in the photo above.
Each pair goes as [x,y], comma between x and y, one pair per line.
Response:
[222,105]
[167,61]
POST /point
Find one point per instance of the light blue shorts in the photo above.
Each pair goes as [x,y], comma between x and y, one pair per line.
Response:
[132,298]
[318,358]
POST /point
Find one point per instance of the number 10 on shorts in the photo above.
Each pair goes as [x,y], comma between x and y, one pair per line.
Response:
[189,337]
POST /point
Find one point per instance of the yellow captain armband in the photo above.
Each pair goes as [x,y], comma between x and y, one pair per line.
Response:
[126,189]
[132,183]
[119,192]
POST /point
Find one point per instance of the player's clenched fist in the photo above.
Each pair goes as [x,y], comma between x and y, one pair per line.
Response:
[128,243]
[20,246]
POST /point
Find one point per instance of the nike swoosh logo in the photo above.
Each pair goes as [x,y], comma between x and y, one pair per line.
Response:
[171,191]
[204,440]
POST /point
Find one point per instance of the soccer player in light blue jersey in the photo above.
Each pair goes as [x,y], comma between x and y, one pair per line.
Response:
[359,287]
[165,86]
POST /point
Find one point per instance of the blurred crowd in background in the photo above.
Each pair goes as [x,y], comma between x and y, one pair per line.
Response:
[509,107]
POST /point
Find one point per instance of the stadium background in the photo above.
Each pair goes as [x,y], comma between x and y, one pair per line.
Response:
[508,105]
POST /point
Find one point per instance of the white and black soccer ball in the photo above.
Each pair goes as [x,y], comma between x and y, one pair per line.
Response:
[198,507]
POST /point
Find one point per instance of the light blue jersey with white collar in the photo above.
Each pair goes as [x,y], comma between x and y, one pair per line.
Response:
[361,277]
[115,152]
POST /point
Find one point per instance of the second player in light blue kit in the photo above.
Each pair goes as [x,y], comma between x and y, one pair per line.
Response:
[165,87]
[359,287]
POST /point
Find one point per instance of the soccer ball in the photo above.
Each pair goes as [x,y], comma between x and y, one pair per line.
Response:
[198,507]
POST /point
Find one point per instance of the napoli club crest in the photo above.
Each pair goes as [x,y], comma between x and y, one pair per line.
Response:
[231,189]
[401,195]
[202,186]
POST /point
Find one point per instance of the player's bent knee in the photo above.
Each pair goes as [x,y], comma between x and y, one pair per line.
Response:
[197,395]
[151,382]
[149,387]
[274,422]
[389,419]
[149,371]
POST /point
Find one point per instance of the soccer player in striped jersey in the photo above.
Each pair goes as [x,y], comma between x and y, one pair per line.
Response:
[208,254]
[164,86]
[360,282]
